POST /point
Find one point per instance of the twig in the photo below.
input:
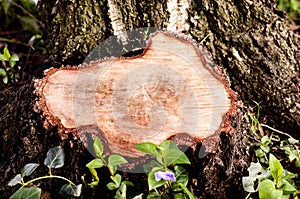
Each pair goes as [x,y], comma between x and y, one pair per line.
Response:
[277,131]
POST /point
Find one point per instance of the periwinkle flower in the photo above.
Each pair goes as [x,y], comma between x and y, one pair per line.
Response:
[165,175]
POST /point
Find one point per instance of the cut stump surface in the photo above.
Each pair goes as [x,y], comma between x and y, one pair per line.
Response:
[169,90]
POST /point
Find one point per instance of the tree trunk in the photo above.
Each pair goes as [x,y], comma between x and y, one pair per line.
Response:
[250,39]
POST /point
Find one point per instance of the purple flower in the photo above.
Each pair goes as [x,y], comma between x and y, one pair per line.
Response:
[165,175]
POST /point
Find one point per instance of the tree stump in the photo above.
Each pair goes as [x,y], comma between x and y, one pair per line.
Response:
[167,91]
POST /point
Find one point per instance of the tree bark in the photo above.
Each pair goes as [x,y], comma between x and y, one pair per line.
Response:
[250,39]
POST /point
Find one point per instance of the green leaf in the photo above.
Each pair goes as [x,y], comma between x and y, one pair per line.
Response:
[168,144]
[182,176]
[259,153]
[265,140]
[117,179]
[5,80]
[6,53]
[293,141]
[127,183]
[151,164]
[115,160]
[112,169]
[3,58]
[287,188]
[28,169]
[180,195]
[191,196]
[55,157]
[16,180]
[155,195]
[294,155]
[250,184]
[95,163]
[152,183]
[254,168]
[111,186]
[139,196]
[95,177]
[287,175]
[175,156]
[98,147]
[265,148]
[276,168]
[297,163]
[27,193]
[267,190]
[12,64]
[14,57]
[3,72]
[147,147]
[71,190]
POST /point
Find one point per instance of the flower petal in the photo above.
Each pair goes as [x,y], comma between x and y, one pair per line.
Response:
[166,175]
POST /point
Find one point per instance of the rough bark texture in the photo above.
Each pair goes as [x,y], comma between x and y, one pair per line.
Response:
[249,38]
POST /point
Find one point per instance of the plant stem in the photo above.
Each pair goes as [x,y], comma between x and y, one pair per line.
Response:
[46,177]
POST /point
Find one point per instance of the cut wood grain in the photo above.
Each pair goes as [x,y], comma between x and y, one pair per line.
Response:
[169,90]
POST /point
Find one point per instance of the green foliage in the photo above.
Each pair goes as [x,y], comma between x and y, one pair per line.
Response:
[268,177]
[111,163]
[8,61]
[274,182]
[19,12]
[292,7]
[168,157]
[32,193]
[55,159]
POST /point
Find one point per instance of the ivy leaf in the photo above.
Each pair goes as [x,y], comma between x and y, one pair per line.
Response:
[28,169]
[168,144]
[293,141]
[27,193]
[147,147]
[71,190]
[117,180]
[111,186]
[287,188]
[250,184]
[115,160]
[267,190]
[151,164]
[96,163]
[182,176]
[175,156]
[276,168]
[16,180]
[55,157]
[98,147]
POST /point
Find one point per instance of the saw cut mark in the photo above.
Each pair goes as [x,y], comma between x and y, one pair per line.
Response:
[166,91]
